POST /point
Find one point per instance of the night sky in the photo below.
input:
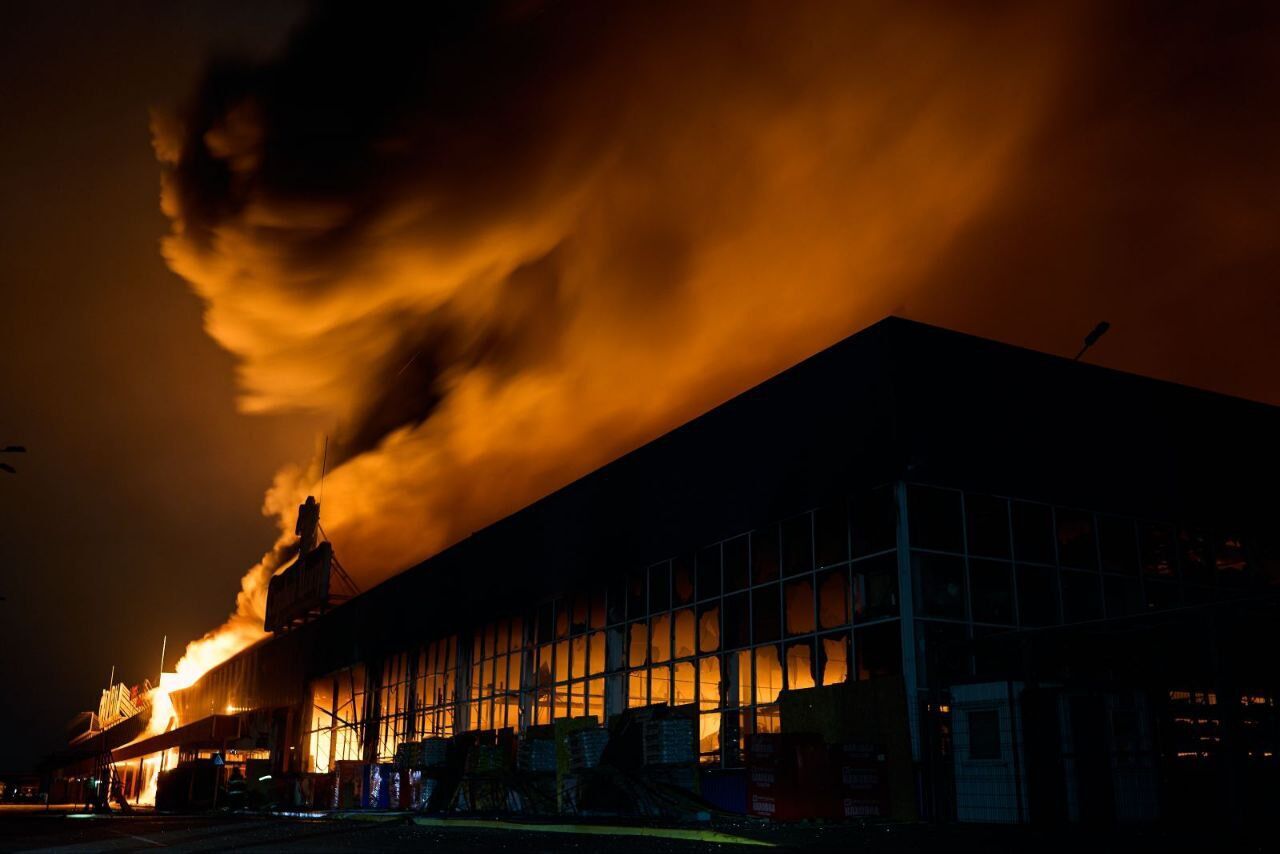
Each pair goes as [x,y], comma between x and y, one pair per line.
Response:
[486,249]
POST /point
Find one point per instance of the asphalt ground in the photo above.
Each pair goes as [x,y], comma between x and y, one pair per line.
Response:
[62,831]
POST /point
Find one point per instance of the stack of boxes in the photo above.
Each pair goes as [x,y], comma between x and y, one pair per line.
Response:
[788,776]
[796,776]
[862,781]
[669,741]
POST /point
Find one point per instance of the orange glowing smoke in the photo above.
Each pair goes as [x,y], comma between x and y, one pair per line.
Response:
[719,197]
[547,234]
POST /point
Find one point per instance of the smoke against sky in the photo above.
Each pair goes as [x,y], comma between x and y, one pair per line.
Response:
[497,246]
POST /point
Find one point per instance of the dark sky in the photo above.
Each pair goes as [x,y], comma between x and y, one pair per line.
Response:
[494,247]
[137,507]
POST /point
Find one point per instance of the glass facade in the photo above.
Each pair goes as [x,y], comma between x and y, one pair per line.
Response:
[984,564]
[810,600]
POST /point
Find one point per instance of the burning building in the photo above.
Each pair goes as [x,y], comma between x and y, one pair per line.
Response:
[1037,589]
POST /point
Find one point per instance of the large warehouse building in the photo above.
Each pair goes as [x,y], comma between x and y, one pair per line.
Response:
[1046,591]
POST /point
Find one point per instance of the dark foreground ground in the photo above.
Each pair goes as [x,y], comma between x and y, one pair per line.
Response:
[60,831]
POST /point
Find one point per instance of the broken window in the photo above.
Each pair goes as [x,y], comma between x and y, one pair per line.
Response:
[638,655]
[833,651]
[709,627]
[875,588]
[597,665]
[709,682]
[800,665]
[768,674]
[660,638]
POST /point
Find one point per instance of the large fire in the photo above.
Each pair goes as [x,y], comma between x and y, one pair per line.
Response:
[499,248]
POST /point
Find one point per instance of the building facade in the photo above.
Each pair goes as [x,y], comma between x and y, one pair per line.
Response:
[1050,562]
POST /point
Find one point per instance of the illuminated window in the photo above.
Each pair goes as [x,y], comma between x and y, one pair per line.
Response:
[639,645]
[393,705]
[800,665]
[709,682]
[637,688]
[684,633]
[709,737]
[708,628]
[434,687]
[768,674]
[660,685]
[834,661]
[684,683]
[660,638]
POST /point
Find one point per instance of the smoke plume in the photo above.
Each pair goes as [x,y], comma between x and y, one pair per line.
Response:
[499,245]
